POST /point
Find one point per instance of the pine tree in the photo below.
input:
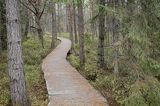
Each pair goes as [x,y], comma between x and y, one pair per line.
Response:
[15,61]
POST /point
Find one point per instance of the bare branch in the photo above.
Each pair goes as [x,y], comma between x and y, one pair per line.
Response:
[33,6]
[43,9]
[27,7]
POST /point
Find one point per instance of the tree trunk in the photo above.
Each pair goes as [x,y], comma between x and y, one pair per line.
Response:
[116,27]
[3,29]
[15,62]
[38,16]
[66,21]
[0,44]
[54,30]
[75,23]
[81,32]
[59,19]
[92,14]
[101,34]
[26,27]
[40,31]
[0,35]
[70,24]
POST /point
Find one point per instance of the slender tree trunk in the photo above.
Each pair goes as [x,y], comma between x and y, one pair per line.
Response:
[75,22]
[40,31]
[59,19]
[26,28]
[92,14]
[15,62]
[31,22]
[116,26]
[0,35]
[70,24]
[38,21]
[0,45]
[67,25]
[81,32]
[54,31]
[101,34]
[115,39]
[3,29]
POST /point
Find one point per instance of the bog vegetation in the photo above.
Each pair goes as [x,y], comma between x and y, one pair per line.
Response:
[115,46]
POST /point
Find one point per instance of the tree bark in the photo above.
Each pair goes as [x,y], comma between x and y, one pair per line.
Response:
[75,22]
[66,21]
[81,32]
[26,27]
[15,62]
[101,33]
[3,29]
[92,14]
[39,30]
[116,27]
[0,47]
[70,18]
[59,19]
[0,35]
[54,30]
[38,21]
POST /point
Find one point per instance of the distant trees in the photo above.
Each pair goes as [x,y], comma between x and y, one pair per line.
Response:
[37,7]
[15,61]
[126,45]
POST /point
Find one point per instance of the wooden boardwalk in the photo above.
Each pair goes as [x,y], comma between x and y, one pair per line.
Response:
[66,87]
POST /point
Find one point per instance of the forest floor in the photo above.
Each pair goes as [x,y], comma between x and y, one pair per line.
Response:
[121,90]
[66,87]
[33,55]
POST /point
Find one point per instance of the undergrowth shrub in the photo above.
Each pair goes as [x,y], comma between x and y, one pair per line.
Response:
[132,87]
[33,55]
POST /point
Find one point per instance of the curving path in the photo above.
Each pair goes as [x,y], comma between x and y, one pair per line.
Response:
[66,87]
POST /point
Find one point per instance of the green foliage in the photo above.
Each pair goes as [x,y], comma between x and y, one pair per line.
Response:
[33,54]
[4,82]
[74,61]
[125,88]
[145,93]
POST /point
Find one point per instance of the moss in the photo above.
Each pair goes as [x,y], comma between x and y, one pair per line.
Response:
[33,54]
[123,89]
[4,81]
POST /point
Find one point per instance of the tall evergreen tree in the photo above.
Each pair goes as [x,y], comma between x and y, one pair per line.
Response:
[75,22]
[81,32]
[101,33]
[15,61]
[70,21]
[54,24]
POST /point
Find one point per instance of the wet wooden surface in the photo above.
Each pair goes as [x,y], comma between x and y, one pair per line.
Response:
[66,87]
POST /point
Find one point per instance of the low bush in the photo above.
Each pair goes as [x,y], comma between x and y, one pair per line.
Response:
[33,55]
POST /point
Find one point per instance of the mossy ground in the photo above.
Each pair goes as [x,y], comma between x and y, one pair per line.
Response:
[124,89]
[33,55]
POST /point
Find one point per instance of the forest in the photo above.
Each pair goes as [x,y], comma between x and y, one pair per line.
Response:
[79,52]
